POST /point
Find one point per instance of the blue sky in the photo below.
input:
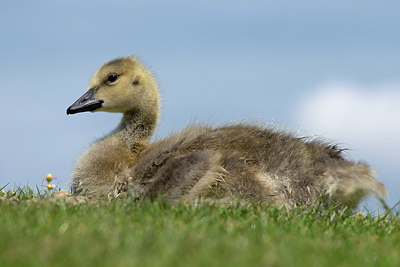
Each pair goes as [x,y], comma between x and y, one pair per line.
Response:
[327,68]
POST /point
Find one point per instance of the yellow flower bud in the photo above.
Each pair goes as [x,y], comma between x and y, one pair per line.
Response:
[49,177]
[50,186]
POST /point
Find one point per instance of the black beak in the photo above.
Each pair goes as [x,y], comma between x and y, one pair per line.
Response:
[85,103]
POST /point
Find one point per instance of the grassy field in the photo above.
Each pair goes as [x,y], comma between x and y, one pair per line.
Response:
[42,231]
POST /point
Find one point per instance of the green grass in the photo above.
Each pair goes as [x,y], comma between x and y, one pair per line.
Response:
[36,230]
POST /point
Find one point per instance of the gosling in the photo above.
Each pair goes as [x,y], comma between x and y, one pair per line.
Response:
[238,162]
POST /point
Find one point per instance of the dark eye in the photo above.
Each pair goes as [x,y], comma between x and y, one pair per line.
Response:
[112,78]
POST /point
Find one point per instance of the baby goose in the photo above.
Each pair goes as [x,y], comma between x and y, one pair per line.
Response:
[234,162]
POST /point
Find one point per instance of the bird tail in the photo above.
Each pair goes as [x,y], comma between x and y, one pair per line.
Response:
[351,183]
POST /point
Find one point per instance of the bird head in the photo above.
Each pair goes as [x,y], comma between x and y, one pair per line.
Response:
[122,85]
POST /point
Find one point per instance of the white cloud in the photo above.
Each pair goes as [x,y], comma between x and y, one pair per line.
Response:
[366,118]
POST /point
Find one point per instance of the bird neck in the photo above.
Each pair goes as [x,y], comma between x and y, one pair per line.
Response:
[136,129]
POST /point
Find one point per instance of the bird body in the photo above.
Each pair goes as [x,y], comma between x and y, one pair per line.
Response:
[234,162]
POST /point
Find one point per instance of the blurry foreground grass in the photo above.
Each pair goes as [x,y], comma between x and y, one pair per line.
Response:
[38,230]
